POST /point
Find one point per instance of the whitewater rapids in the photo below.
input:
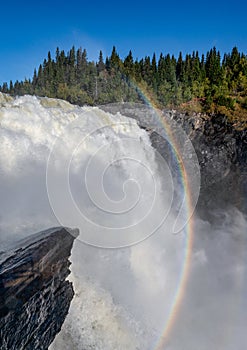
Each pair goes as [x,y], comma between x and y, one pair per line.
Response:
[82,167]
[119,292]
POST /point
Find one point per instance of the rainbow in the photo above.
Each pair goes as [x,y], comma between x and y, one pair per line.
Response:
[183,278]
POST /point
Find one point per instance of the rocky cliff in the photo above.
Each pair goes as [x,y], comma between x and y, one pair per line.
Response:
[34,293]
[221,149]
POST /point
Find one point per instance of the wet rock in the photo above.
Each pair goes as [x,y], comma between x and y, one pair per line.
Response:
[34,293]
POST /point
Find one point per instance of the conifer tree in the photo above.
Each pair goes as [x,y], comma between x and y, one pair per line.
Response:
[100,64]
[129,65]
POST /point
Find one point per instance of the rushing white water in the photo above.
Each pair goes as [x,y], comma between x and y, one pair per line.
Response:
[102,174]
[119,292]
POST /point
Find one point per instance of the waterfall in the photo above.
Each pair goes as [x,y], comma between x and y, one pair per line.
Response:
[87,168]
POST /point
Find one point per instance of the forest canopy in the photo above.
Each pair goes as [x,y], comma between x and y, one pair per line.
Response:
[208,83]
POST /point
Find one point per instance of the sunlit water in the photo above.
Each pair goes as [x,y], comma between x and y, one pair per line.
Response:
[123,296]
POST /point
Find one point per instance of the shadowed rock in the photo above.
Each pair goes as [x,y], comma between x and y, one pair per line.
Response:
[220,147]
[34,293]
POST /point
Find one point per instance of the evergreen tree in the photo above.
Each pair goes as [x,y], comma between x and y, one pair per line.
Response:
[100,64]
[115,62]
[213,67]
[129,65]
[212,85]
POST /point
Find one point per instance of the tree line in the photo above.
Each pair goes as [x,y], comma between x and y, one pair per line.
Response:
[209,83]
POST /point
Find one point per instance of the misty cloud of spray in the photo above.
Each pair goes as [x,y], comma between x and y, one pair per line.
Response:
[123,296]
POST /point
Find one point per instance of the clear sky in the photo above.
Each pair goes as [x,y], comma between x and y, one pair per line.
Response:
[30,29]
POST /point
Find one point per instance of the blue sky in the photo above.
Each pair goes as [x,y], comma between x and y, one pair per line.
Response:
[30,29]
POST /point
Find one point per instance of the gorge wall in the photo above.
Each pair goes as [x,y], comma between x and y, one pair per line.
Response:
[220,147]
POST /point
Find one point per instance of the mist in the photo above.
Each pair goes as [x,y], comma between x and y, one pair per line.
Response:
[123,296]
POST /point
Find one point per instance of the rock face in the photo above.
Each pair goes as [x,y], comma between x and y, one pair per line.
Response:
[222,153]
[221,150]
[34,293]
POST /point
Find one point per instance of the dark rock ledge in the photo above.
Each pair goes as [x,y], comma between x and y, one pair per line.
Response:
[34,293]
